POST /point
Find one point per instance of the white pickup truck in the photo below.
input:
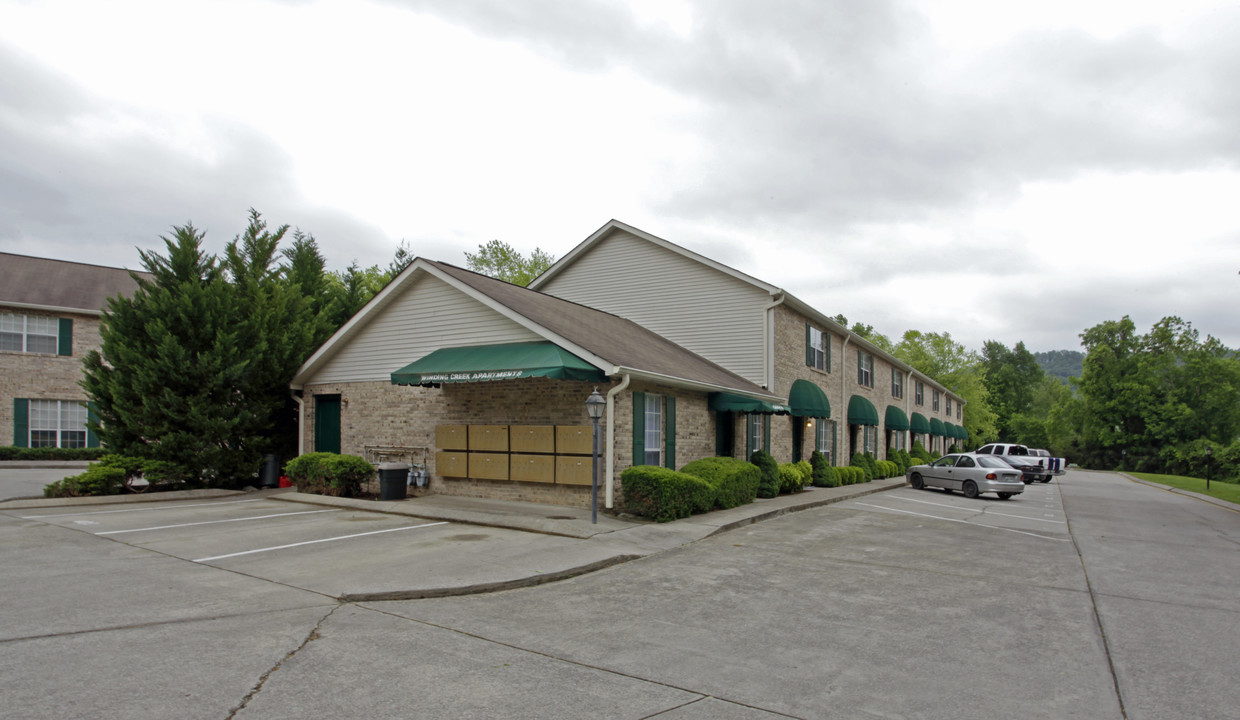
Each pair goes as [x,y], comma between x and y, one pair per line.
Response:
[1035,464]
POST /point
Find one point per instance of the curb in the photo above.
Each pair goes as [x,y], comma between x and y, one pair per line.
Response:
[1225,504]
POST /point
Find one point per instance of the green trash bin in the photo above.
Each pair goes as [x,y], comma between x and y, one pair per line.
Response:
[393,479]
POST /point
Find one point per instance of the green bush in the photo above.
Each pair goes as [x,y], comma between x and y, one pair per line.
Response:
[162,472]
[327,473]
[888,468]
[791,479]
[97,480]
[735,481]
[922,455]
[859,461]
[9,452]
[822,475]
[663,494]
[906,460]
[132,466]
[850,475]
[769,479]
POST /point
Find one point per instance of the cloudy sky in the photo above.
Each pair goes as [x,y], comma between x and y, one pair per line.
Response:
[994,170]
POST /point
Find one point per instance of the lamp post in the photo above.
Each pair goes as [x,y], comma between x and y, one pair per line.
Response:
[594,408]
[1209,452]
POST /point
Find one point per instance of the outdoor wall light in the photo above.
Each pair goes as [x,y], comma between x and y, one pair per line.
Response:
[595,404]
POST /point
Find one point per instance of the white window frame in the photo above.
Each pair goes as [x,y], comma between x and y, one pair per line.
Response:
[818,345]
[897,383]
[654,431]
[919,394]
[947,408]
[865,369]
[754,437]
[24,328]
[64,419]
[869,439]
[822,438]
[937,396]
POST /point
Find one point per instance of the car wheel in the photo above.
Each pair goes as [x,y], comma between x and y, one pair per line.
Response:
[1046,478]
[1005,496]
[970,489]
[917,482]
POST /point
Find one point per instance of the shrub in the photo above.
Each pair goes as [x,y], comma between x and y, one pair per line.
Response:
[906,460]
[888,468]
[132,466]
[769,479]
[921,454]
[822,474]
[9,452]
[851,475]
[735,481]
[859,461]
[791,478]
[663,494]
[326,473]
[162,472]
[97,480]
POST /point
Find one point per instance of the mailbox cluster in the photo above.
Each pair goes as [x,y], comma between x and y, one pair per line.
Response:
[524,453]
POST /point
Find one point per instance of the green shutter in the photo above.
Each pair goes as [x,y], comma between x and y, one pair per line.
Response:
[669,432]
[766,433]
[21,422]
[826,346]
[835,449]
[809,349]
[92,415]
[639,428]
[749,419]
[798,430]
[65,345]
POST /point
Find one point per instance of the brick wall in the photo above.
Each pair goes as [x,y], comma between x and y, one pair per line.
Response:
[44,377]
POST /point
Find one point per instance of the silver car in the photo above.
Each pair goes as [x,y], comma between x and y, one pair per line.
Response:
[970,473]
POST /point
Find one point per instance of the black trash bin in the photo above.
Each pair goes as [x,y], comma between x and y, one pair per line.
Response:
[393,478]
[270,476]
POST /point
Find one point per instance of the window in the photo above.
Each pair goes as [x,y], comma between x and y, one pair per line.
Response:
[755,434]
[919,394]
[30,333]
[865,369]
[897,383]
[937,395]
[654,430]
[57,423]
[817,348]
[957,411]
[948,406]
[824,438]
[869,439]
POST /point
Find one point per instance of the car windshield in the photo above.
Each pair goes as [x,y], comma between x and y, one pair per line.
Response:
[990,462]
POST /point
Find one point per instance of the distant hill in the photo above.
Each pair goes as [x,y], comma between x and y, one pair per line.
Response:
[1062,364]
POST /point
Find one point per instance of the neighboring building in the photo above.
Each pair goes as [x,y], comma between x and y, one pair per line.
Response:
[484,382]
[49,320]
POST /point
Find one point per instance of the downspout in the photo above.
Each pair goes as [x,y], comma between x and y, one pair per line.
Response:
[908,408]
[768,359]
[301,420]
[610,452]
[844,389]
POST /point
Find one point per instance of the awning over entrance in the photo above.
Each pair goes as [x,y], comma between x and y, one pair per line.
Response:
[485,363]
[896,419]
[727,402]
[937,427]
[808,400]
[919,424]
[959,432]
[861,411]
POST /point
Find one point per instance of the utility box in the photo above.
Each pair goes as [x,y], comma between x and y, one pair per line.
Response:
[573,470]
[452,464]
[488,438]
[451,437]
[574,439]
[488,466]
[531,468]
[532,438]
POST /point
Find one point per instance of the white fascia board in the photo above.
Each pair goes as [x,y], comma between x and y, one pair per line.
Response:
[52,308]
[692,384]
[611,225]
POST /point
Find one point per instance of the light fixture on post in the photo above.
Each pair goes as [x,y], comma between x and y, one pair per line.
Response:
[595,404]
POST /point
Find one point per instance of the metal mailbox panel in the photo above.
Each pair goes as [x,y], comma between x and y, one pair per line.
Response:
[532,438]
[488,438]
[573,470]
[574,439]
[488,466]
[531,468]
[451,437]
[452,464]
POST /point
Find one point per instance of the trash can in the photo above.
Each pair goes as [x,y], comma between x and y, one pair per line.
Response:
[270,476]
[392,480]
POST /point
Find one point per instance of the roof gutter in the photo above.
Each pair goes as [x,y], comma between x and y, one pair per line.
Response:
[610,483]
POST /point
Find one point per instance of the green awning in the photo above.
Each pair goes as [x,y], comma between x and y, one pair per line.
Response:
[808,400]
[896,419]
[485,363]
[961,432]
[937,427]
[861,411]
[949,430]
[919,424]
[727,402]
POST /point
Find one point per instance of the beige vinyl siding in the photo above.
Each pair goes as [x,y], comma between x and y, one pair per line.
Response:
[427,316]
[695,306]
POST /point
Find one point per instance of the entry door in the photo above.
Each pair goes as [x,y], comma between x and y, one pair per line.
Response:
[327,423]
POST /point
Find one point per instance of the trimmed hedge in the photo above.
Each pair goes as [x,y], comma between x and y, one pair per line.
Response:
[325,473]
[769,478]
[852,475]
[735,481]
[793,477]
[9,452]
[97,480]
[663,494]
[822,475]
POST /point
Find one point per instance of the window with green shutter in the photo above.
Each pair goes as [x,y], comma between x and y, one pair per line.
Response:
[21,422]
[64,343]
[639,428]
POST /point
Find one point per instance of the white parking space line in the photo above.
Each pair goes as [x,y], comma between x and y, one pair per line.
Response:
[312,542]
[986,511]
[141,509]
[966,522]
[214,522]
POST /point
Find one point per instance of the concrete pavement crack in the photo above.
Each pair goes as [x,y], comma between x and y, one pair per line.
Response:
[258,687]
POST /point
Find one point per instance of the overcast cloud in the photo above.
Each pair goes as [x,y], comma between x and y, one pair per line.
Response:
[945,165]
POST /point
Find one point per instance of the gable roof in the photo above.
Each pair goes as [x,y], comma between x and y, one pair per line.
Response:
[46,284]
[614,344]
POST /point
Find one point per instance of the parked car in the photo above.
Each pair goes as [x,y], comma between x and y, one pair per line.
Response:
[1036,466]
[970,473]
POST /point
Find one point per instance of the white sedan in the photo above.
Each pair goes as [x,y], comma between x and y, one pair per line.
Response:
[969,473]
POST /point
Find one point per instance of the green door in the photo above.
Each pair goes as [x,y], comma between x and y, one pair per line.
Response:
[327,423]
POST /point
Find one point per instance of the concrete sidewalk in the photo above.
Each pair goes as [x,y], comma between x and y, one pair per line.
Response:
[611,541]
